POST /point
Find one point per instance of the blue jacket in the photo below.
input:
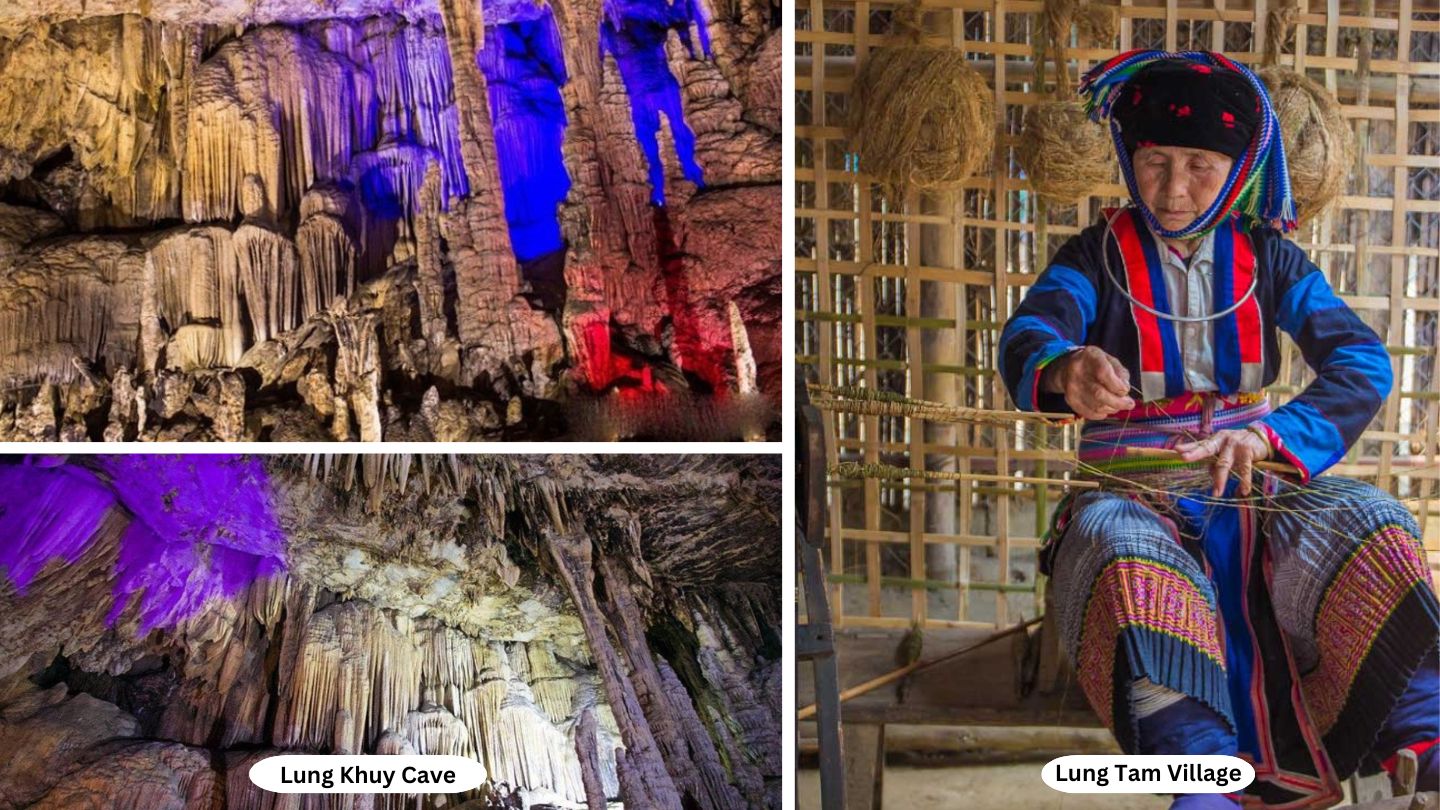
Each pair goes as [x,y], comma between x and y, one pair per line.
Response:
[1076,303]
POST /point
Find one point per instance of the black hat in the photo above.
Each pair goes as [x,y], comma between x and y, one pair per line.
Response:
[1177,102]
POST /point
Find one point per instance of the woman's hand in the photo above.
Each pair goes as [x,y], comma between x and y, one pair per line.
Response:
[1095,384]
[1236,450]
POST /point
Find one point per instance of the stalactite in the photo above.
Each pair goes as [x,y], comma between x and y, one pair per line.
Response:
[532,134]
[415,90]
[268,267]
[524,67]
[327,251]
[635,33]
[432,729]
[296,661]
[291,127]
[553,685]
[183,509]
[354,678]
[521,745]
[195,346]
[61,304]
[389,179]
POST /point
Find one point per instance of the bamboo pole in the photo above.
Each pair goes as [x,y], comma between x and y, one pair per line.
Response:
[852,469]
[1008,742]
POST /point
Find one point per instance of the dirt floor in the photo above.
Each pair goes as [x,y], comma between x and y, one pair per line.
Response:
[980,787]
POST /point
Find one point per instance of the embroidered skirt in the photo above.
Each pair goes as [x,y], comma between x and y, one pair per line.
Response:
[1233,601]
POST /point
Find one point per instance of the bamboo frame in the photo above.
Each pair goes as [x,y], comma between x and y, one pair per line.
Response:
[908,296]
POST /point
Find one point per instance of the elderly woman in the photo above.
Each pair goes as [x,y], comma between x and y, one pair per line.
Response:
[1192,601]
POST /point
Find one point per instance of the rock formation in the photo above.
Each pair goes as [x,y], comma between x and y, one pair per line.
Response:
[562,217]
[591,630]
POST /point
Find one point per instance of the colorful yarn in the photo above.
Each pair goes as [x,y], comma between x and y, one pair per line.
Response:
[1258,185]
[1105,444]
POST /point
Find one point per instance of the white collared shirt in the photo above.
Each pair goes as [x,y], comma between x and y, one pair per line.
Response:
[1190,291]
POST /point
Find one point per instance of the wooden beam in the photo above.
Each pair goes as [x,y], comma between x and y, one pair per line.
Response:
[987,743]
[986,687]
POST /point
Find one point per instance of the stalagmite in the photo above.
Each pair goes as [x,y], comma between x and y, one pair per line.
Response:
[585,743]
[744,356]
[357,372]
[429,272]
[127,407]
[487,277]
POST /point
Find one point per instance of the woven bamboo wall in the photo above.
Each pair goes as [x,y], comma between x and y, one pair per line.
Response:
[910,297]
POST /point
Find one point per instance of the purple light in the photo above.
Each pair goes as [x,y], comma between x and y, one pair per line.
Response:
[201,527]
[45,515]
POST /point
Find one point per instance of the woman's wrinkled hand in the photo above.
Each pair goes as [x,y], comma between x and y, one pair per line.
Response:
[1095,384]
[1233,450]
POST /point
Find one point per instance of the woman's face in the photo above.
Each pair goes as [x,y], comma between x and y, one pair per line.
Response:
[1179,183]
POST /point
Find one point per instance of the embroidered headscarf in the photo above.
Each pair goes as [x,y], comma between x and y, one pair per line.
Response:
[1202,100]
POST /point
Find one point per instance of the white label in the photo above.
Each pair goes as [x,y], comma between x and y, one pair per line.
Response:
[361,773]
[1208,773]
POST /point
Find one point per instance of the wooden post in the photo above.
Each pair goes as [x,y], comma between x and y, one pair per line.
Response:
[864,766]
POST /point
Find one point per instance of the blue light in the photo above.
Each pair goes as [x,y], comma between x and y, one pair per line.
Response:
[524,66]
[635,32]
